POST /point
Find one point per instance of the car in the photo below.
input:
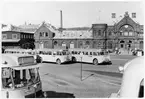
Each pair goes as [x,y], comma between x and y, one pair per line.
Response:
[132,85]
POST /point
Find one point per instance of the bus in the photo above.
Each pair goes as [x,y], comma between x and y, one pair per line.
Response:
[58,56]
[20,76]
[25,52]
[95,56]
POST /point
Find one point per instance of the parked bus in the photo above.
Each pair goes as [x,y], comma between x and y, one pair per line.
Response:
[94,56]
[20,76]
[54,55]
[25,52]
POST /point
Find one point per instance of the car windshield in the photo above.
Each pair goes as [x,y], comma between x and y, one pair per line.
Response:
[20,78]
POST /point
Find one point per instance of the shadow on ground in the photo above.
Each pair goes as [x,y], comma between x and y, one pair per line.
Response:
[53,94]
[106,73]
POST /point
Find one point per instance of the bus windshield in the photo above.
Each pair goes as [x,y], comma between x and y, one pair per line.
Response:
[20,78]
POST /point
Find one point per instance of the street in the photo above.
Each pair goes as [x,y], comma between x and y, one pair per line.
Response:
[97,81]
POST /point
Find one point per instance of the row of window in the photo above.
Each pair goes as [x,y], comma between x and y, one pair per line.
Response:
[27,36]
[14,36]
[43,34]
[97,32]
[87,53]
[126,33]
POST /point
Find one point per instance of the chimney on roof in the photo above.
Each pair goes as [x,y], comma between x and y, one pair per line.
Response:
[61,21]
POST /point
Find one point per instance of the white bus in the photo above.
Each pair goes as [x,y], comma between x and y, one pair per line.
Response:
[94,56]
[54,55]
[25,52]
[20,76]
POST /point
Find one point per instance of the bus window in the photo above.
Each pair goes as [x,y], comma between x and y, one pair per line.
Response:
[75,52]
[79,52]
[49,53]
[94,53]
[90,53]
[86,53]
[101,53]
[54,53]
[6,78]
[58,53]
[63,53]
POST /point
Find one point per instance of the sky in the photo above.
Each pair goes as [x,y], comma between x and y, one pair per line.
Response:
[75,13]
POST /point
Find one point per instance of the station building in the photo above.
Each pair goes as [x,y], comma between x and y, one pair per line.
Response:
[126,34]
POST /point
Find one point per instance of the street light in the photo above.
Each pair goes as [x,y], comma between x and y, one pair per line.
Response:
[81,54]
[81,71]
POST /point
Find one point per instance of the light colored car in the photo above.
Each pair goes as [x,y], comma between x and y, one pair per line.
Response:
[133,80]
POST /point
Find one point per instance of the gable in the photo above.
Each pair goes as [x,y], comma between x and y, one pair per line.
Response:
[126,21]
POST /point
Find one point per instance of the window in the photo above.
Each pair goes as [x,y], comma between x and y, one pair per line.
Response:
[49,53]
[94,53]
[130,33]
[4,36]
[95,33]
[72,52]
[43,34]
[40,34]
[99,32]
[6,78]
[75,52]
[46,34]
[125,33]
[14,36]
[85,53]
[110,33]
[90,53]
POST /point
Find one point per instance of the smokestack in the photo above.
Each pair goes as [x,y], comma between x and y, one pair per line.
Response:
[61,23]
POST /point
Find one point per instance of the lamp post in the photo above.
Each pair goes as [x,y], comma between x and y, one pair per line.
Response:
[81,65]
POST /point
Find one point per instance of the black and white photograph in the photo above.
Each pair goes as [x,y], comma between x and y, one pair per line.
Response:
[72,49]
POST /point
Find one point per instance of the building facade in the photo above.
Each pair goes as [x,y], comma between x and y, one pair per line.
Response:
[17,37]
[126,34]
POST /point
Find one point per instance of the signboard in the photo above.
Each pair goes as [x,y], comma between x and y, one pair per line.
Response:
[26,60]
[5,73]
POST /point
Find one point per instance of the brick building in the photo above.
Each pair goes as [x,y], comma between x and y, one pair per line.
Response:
[126,34]
[18,36]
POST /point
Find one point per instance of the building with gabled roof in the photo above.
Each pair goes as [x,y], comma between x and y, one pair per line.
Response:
[18,36]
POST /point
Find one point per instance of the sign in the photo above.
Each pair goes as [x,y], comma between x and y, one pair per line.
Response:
[5,73]
[26,60]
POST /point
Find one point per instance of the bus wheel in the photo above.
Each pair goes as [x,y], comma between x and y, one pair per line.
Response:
[95,62]
[58,61]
